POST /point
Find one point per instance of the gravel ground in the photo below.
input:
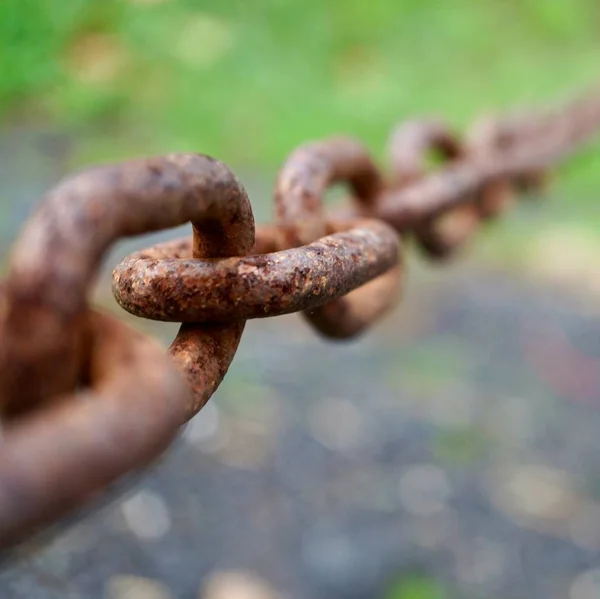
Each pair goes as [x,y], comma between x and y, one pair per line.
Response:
[457,440]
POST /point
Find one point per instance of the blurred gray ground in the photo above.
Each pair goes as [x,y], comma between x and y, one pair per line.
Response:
[457,439]
[451,440]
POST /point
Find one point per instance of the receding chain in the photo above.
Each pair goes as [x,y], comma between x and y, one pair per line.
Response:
[85,399]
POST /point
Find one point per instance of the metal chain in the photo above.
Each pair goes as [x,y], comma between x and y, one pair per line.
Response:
[85,399]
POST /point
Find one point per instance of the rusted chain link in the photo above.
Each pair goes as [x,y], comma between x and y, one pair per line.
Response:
[301,218]
[85,399]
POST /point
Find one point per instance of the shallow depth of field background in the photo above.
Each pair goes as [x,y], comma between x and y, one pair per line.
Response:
[485,386]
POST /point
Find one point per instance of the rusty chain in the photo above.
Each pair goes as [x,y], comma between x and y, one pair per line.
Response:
[85,399]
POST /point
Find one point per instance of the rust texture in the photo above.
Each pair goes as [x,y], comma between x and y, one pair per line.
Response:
[61,444]
[305,177]
[409,147]
[257,286]
[57,254]
[85,399]
[300,217]
[552,140]
[61,455]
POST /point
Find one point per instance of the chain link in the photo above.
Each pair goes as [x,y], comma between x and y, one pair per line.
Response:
[85,399]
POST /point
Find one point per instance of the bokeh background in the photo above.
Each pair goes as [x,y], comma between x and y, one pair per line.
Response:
[450,453]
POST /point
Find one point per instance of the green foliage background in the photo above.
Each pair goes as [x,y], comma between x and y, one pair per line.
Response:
[247,81]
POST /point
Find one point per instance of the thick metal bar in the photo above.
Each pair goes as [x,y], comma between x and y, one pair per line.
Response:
[165,283]
[56,256]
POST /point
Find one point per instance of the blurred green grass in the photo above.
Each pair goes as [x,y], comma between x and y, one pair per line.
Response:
[416,587]
[248,81]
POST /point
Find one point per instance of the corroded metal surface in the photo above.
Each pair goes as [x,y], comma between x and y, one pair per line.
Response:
[53,262]
[84,399]
[410,146]
[76,442]
[568,129]
[132,405]
[300,217]
[305,177]
[165,283]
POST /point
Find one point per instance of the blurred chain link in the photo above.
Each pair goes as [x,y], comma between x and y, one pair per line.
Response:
[86,399]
